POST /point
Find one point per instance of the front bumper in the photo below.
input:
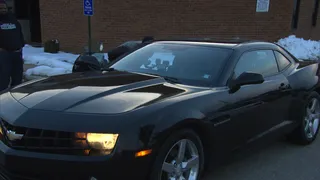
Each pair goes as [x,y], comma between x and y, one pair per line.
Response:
[16,165]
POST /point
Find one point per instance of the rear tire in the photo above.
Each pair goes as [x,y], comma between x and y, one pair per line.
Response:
[308,129]
[169,163]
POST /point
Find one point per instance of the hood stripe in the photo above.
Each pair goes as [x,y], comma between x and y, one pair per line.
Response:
[75,96]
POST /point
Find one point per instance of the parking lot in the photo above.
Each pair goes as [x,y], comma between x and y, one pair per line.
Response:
[277,161]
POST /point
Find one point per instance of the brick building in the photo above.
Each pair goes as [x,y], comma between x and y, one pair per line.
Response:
[116,21]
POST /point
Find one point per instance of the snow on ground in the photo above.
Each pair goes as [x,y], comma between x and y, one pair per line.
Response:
[300,48]
[46,71]
[61,63]
[48,64]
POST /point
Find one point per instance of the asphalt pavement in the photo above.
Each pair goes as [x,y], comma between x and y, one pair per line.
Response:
[279,160]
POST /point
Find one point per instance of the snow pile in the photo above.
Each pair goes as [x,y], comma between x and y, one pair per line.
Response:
[48,64]
[46,71]
[300,48]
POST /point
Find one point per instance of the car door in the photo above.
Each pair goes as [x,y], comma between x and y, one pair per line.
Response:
[253,109]
[285,91]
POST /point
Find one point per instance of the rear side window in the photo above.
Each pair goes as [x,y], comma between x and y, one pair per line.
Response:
[283,62]
[259,61]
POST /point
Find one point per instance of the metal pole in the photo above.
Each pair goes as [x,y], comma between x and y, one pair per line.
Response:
[89,33]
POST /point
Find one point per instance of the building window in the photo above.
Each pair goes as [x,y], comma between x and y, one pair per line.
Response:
[295,17]
[315,13]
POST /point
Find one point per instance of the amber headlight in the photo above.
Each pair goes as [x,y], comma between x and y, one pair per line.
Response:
[102,141]
[96,143]
[1,133]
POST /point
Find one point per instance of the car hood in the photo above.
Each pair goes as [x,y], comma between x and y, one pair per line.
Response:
[95,92]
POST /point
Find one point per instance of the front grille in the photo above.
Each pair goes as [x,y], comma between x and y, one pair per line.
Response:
[46,141]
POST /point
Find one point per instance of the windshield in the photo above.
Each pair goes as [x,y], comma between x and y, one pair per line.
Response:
[188,64]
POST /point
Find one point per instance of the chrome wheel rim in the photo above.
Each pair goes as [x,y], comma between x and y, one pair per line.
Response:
[182,162]
[311,121]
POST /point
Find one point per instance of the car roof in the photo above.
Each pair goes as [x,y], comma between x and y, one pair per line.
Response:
[228,43]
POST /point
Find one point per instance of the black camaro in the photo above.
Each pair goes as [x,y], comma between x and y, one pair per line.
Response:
[165,111]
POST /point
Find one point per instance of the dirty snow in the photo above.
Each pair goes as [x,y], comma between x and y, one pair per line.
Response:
[46,71]
[61,63]
[48,64]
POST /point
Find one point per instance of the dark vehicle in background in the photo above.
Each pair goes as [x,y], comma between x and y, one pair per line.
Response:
[131,44]
[165,111]
[98,60]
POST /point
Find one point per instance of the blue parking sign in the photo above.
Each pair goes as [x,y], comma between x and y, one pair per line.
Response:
[88,7]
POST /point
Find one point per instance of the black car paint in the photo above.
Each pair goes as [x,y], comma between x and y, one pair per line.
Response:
[96,102]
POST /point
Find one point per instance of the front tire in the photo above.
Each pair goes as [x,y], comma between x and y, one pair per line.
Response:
[308,130]
[181,157]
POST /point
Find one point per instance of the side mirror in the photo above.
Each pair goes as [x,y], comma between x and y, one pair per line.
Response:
[86,63]
[245,78]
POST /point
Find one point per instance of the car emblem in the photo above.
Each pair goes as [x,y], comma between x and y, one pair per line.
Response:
[12,136]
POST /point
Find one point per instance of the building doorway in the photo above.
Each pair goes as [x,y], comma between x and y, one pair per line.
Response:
[28,14]
[35,22]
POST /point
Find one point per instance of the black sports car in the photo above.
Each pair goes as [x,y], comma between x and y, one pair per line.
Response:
[165,111]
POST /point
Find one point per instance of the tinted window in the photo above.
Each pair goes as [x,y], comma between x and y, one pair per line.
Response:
[283,62]
[262,61]
[191,64]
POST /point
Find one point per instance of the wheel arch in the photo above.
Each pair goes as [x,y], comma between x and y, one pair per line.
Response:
[204,133]
[200,127]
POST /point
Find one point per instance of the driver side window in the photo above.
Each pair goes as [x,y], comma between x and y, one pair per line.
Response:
[259,61]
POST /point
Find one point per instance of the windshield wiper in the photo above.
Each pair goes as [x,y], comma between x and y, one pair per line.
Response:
[167,78]
[108,69]
[171,79]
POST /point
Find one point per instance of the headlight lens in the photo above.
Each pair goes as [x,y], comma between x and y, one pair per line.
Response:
[1,133]
[102,141]
[96,143]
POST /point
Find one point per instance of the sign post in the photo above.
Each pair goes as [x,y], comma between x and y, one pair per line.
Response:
[88,11]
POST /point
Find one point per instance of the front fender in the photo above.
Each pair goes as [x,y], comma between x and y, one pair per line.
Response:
[171,122]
